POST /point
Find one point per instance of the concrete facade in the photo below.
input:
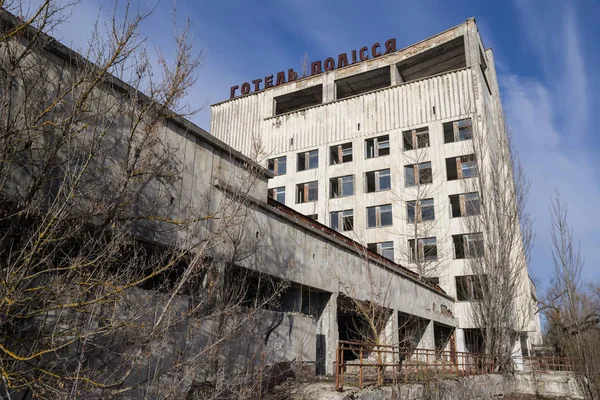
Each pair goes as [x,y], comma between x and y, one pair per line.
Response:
[447,78]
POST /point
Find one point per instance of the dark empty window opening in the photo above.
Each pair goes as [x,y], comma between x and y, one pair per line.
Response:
[308,160]
[465,205]
[306,192]
[457,131]
[299,99]
[364,82]
[471,287]
[446,57]
[461,167]
[468,245]
[341,187]
[377,147]
[341,153]
[313,216]
[418,174]
[384,249]
[378,180]
[416,139]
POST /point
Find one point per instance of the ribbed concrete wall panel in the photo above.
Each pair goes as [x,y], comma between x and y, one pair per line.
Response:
[404,106]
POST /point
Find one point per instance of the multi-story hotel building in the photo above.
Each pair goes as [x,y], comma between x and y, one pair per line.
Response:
[375,143]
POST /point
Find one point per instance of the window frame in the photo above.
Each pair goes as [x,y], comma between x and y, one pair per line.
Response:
[421,252]
[342,218]
[417,212]
[418,173]
[338,182]
[459,130]
[336,153]
[307,156]
[274,165]
[411,139]
[275,192]
[380,144]
[378,215]
[307,188]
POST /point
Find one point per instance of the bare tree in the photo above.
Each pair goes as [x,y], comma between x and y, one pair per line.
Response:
[108,268]
[571,305]
[422,213]
[498,239]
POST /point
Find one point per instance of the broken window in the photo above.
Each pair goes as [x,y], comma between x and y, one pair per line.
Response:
[341,187]
[341,153]
[433,280]
[468,245]
[306,192]
[419,211]
[278,194]
[471,287]
[308,160]
[426,249]
[458,131]
[378,180]
[313,216]
[465,205]
[416,139]
[341,220]
[377,147]
[384,249]
[379,216]
[418,174]
[461,167]
[277,165]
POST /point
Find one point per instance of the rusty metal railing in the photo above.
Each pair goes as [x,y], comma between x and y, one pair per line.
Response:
[366,362]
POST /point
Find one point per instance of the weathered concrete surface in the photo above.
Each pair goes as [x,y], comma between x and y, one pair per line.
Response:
[555,385]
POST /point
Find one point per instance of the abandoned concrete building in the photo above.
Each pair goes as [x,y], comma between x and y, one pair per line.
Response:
[380,150]
[324,206]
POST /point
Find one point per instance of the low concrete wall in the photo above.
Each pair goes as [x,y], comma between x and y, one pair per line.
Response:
[563,385]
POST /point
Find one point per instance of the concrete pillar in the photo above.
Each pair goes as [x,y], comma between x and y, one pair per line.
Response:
[428,338]
[461,344]
[328,326]
[389,336]
[395,76]
[329,89]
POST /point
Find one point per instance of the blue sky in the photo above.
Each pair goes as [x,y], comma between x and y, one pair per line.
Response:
[547,55]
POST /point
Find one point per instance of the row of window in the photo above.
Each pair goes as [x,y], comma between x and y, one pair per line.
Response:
[466,204]
[469,245]
[376,181]
[374,147]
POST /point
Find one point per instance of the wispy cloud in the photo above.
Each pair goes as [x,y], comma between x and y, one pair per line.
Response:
[549,115]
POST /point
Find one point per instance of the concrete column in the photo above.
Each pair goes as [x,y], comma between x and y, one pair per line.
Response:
[428,338]
[395,76]
[389,336]
[461,344]
[328,326]
[328,89]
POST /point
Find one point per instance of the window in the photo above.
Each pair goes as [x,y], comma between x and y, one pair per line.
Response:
[341,153]
[461,167]
[377,147]
[313,216]
[307,192]
[434,280]
[378,180]
[419,211]
[379,216]
[464,205]
[458,131]
[471,287]
[278,194]
[468,245]
[418,174]
[277,165]
[341,187]
[384,249]
[416,139]
[299,99]
[426,249]
[308,160]
[342,220]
